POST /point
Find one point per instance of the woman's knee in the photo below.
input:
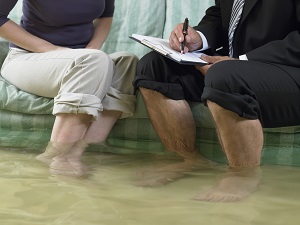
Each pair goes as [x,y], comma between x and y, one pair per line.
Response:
[90,73]
[125,65]
[99,66]
[123,56]
[92,58]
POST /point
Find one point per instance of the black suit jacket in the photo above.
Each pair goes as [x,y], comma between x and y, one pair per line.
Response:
[268,30]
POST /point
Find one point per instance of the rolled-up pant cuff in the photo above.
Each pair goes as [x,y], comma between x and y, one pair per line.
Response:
[243,105]
[115,100]
[77,103]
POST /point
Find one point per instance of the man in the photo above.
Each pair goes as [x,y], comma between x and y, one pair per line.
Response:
[252,81]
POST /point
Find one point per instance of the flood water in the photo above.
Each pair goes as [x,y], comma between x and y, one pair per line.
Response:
[30,195]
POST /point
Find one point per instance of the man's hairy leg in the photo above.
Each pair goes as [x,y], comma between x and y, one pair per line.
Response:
[174,123]
[242,142]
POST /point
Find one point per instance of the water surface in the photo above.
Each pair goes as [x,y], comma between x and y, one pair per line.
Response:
[30,195]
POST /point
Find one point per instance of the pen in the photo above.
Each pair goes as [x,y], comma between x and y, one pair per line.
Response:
[184,31]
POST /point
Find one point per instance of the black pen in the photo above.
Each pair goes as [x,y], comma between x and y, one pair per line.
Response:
[184,31]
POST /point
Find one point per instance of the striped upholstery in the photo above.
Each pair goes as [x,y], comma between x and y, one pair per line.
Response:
[26,120]
[145,17]
[15,100]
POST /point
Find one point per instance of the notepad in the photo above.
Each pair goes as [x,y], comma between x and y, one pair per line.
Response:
[162,46]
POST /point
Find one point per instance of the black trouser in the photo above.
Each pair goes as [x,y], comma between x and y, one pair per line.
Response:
[253,90]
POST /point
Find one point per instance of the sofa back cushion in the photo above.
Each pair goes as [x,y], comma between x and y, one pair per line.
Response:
[146,17]
[155,18]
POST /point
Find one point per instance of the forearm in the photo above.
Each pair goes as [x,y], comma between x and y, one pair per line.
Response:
[101,31]
[17,35]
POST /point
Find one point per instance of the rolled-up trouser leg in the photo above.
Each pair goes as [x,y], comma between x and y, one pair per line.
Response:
[120,95]
[255,90]
[78,79]
[170,78]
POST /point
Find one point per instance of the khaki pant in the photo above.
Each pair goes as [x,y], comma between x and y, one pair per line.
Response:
[79,80]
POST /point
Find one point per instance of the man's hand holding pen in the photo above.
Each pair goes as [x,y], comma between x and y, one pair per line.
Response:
[190,41]
[184,32]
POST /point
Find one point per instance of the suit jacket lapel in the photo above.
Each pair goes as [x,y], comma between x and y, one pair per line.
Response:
[226,6]
[249,4]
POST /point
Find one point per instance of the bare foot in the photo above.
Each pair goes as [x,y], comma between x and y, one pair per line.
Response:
[234,186]
[65,158]
[67,167]
[152,177]
[45,158]
[69,162]
[50,152]
[156,177]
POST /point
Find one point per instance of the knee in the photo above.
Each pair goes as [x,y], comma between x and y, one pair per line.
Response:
[131,60]
[127,58]
[149,62]
[97,68]
[99,59]
[221,76]
[125,65]
[90,60]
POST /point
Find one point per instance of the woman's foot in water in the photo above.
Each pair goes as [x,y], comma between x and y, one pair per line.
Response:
[65,158]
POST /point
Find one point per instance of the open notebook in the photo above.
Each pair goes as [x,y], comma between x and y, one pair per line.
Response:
[162,46]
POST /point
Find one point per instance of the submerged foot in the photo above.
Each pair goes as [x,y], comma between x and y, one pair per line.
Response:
[66,167]
[44,158]
[234,186]
[65,158]
[50,152]
[155,178]
[152,177]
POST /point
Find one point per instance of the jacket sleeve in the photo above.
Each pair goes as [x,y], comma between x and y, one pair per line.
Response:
[6,7]
[285,51]
[211,26]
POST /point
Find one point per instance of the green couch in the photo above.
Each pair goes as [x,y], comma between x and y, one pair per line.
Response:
[26,120]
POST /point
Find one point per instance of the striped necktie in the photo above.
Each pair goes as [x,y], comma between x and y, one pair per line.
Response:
[237,10]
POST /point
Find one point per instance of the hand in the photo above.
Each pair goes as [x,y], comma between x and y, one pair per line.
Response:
[193,39]
[211,61]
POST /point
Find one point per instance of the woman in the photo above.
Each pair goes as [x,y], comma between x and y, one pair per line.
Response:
[55,53]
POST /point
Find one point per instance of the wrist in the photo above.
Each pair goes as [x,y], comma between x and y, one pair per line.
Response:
[47,47]
[204,43]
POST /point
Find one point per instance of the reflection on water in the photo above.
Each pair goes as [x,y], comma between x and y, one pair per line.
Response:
[29,195]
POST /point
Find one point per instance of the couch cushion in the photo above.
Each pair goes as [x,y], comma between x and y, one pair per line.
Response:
[16,100]
[145,17]
[3,50]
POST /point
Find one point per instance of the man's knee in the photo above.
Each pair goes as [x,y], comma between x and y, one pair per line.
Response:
[227,86]
[149,70]
[150,64]
[221,76]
